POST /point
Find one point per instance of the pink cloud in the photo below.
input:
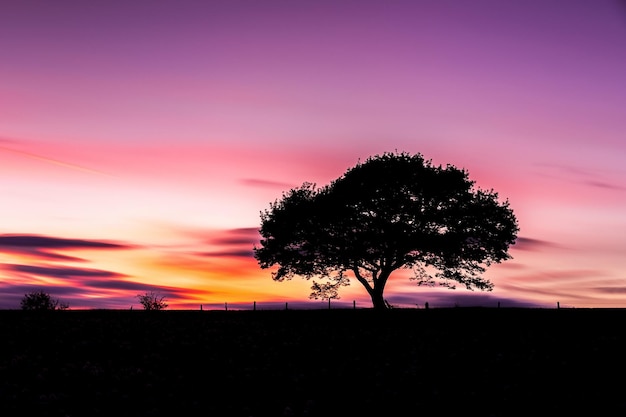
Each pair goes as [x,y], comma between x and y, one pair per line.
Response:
[253,182]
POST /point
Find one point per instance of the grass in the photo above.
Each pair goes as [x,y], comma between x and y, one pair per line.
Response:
[487,362]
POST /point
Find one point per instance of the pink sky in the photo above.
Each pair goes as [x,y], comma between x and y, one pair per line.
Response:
[140,140]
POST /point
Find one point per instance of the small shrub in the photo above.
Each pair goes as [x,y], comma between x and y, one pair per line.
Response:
[152,301]
[41,300]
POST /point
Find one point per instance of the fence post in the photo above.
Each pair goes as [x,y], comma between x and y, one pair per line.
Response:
[558,305]
[254,306]
[226,306]
[353,304]
[426,305]
[286,306]
[200,307]
[329,303]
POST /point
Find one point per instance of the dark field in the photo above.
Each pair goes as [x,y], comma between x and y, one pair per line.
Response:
[479,362]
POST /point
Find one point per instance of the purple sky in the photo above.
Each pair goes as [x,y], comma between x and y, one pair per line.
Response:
[163,128]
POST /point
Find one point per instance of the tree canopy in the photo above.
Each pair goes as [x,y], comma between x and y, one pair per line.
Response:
[392,211]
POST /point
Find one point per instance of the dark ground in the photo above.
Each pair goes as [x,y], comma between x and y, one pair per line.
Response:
[459,361]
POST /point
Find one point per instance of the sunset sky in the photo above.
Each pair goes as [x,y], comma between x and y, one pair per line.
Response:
[141,139]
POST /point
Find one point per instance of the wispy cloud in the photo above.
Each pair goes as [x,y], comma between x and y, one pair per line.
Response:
[565,285]
[529,244]
[604,185]
[594,178]
[239,236]
[39,254]
[229,254]
[61,272]
[256,182]
[233,243]
[124,285]
[46,247]
[556,277]
[611,290]
[118,284]
[52,161]
[49,242]
[16,291]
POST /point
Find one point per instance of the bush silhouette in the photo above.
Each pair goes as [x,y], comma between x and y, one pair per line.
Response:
[152,301]
[41,300]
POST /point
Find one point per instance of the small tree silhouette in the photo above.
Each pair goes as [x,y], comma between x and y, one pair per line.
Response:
[41,300]
[152,301]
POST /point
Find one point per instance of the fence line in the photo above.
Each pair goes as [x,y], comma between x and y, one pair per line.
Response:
[341,305]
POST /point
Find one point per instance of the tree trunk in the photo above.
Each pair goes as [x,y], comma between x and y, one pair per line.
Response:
[377,299]
[376,290]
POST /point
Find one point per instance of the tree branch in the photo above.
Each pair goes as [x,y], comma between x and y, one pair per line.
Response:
[362,280]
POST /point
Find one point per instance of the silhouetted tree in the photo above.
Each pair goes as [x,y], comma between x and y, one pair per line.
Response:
[152,301]
[392,211]
[41,300]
